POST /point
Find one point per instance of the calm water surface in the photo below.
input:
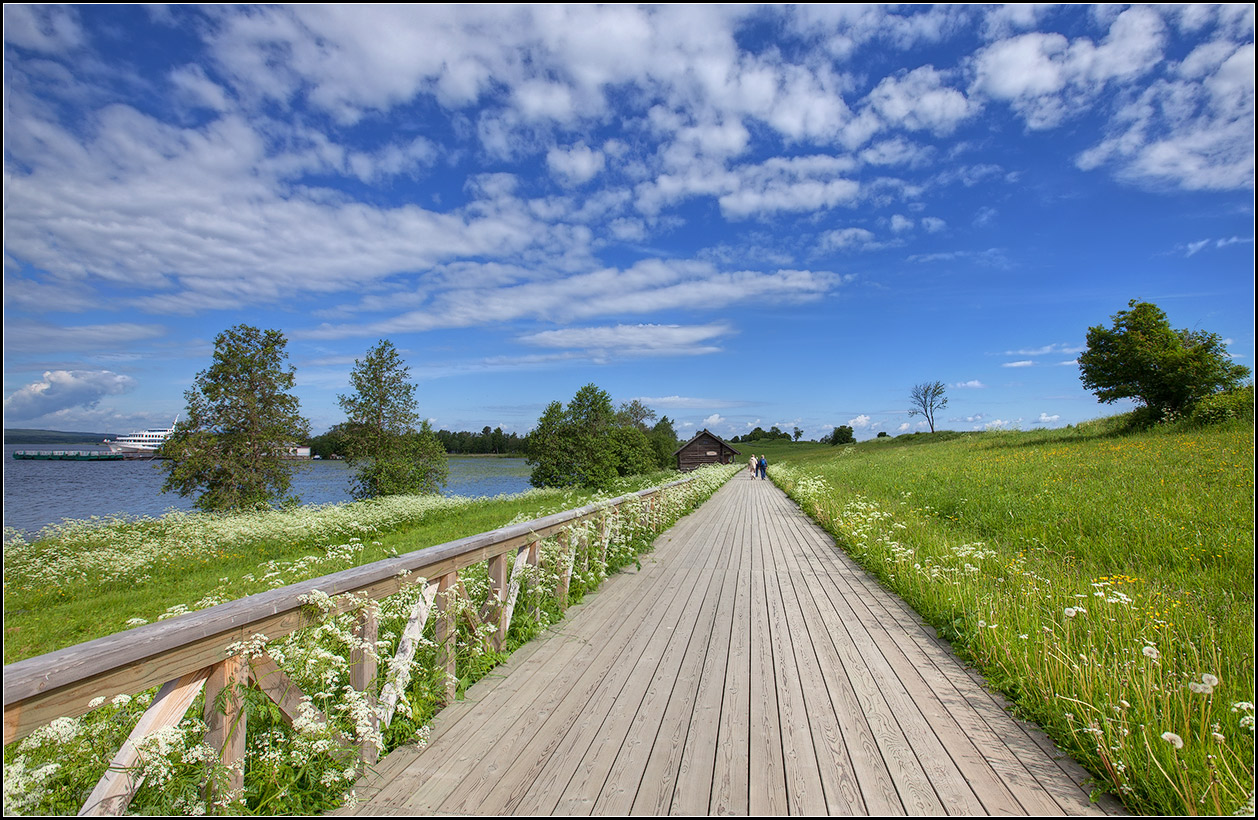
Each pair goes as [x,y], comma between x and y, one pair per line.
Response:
[39,493]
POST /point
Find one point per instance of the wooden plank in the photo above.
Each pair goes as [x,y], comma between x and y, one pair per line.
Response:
[730,771]
[446,633]
[538,772]
[659,773]
[491,746]
[362,671]
[225,720]
[767,793]
[407,643]
[693,792]
[114,791]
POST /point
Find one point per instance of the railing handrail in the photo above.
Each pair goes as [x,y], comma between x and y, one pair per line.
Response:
[146,656]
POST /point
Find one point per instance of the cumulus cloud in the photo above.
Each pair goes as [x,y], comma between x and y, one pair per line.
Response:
[62,390]
[713,420]
[575,165]
[971,384]
[859,423]
[1045,418]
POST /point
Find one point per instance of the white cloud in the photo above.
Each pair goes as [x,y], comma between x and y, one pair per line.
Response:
[849,239]
[1022,363]
[1044,350]
[919,100]
[713,420]
[859,423]
[1045,418]
[575,165]
[47,28]
[972,383]
[62,390]
[1047,78]
[933,224]
[647,286]
[901,223]
[634,340]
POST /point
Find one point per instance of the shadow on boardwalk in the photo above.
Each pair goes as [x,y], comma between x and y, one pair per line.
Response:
[749,667]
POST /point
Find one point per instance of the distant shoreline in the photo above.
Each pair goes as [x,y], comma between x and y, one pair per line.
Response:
[24,436]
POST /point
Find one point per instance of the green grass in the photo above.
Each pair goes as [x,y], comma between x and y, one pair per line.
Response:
[83,580]
[1094,574]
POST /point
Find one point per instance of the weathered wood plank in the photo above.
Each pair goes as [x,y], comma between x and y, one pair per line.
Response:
[114,791]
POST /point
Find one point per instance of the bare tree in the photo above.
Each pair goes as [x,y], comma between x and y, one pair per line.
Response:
[926,399]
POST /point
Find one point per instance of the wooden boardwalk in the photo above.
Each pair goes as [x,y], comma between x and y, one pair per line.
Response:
[749,667]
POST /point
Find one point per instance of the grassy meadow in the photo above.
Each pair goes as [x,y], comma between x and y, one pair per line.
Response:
[1102,579]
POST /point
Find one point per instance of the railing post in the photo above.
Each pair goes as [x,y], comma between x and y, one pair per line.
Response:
[492,614]
[225,720]
[565,569]
[447,633]
[362,669]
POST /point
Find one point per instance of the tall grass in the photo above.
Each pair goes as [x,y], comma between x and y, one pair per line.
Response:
[1103,581]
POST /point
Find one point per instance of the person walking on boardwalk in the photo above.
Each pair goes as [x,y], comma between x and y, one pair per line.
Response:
[751,465]
[762,467]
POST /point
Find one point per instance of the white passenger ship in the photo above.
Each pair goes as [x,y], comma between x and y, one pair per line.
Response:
[147,441]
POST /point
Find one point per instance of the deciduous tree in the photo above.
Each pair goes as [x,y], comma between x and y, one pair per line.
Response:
[589,444]
[388,455]
[240,420]
[926,399]
[1143,359]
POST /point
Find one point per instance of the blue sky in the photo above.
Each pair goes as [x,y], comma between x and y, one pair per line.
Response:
[741,216]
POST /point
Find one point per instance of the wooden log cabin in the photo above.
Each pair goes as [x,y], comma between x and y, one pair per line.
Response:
[704,448]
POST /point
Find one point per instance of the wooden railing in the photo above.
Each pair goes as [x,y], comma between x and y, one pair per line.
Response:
[201,651]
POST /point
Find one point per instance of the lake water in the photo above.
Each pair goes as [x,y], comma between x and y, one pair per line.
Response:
[39,493]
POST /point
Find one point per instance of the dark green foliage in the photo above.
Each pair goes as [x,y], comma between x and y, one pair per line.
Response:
[842,434]
[664,442]
[760,434]
[487,441]
[1142,358]
[389,456]
[1233,404]
[588,444]
[240,419]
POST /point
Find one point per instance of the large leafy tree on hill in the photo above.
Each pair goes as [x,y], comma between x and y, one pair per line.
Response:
[1142,358]
[240,419]
[388,455]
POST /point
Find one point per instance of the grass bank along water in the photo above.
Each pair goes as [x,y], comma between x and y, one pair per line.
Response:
[304,767]
[1103,581]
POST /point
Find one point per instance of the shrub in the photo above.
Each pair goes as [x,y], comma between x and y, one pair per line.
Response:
[1225,406]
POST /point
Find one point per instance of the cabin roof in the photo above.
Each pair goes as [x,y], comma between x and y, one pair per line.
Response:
[705,432]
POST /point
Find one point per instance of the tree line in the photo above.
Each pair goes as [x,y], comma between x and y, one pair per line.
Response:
[464,442]
[241,418]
